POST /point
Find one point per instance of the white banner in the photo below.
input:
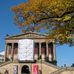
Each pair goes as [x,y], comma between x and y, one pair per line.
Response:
[26,50]
[15,69]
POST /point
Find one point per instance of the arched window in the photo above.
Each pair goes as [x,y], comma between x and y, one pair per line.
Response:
[25,70]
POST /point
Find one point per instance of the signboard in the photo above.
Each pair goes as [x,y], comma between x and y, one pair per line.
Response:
[35,69]
[26,50]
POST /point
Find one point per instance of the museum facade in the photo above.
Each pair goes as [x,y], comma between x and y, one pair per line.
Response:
[31,53]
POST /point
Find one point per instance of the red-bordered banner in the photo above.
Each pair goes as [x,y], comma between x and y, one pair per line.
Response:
[35,69]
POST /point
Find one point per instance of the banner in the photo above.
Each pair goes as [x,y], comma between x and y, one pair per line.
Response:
[15,70]
[26,50]
[35,69]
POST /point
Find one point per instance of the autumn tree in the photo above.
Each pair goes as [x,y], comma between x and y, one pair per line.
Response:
[55,17]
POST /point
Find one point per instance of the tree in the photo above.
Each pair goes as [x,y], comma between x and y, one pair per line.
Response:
[55,17]
[72,65]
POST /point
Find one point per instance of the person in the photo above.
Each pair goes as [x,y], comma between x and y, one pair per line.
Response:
[39,72]
[6,72]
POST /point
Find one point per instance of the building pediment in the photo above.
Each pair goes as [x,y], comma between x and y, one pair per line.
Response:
[27,35]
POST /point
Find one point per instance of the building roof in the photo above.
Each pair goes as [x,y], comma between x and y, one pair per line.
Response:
[27,35]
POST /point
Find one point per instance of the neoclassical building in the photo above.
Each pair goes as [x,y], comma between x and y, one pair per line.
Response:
[44,56]
[44,48]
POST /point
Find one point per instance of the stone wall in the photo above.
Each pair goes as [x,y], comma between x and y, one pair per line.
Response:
[9,66]
[45,67]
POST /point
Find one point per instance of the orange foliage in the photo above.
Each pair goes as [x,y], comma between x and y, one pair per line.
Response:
[42,13]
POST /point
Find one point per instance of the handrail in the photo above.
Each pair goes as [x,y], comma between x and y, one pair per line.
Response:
[58,71]
[62,69]
[5,63]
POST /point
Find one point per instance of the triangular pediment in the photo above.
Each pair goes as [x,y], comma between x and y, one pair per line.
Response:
[27,35]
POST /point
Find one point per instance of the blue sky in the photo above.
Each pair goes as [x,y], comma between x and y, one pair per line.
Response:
[65,54]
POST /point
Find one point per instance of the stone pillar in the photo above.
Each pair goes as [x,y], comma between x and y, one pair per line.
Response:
[12,52]
[9,52]
[8,56]
[49,53]
[43,53]
[39,49]
[5,55]
[14,55]
[47,49]
[43,57]
[50,57]
[36,56]
[54,52]
[36,53]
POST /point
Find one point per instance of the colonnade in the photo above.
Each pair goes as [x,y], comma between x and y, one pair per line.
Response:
[46,52]
[11,51]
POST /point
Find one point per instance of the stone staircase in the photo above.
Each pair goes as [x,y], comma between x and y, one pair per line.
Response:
[58,71]
[5,63]
[62,70]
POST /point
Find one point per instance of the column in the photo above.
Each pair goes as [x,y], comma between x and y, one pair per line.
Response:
[47,49]
[8,51]
[35,52]
[15,51]
[5,56]
[43,51]
[54,52]
[39,49]
[12,50]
